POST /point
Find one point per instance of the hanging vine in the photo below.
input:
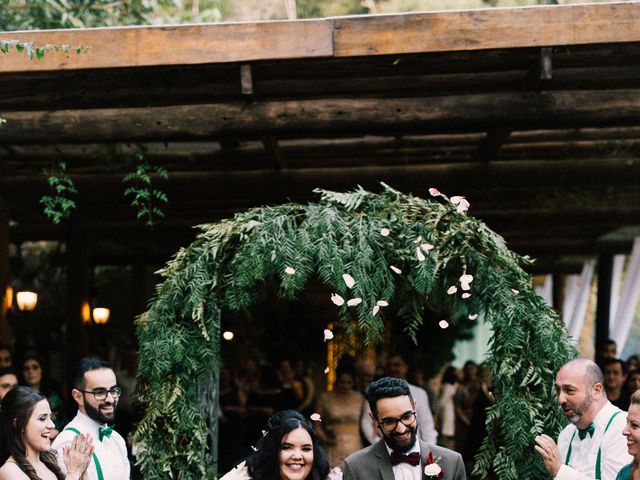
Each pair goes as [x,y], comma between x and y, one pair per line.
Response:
[371,251]
[59,205]
[145,196]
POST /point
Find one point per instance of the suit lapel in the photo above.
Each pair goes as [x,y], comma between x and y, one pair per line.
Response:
[424,454]
[384,464]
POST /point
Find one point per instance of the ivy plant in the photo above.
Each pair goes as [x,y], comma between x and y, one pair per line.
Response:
[60,203]
[145,197]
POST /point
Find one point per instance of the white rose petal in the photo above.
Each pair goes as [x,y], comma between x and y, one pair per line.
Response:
[420,255]
[337,299]
[348,280]
[328,334]
[456,199]
[382,303]
[473,317]
[432,470]
[465,286]
[466,295]
[466,278]
[376,309]
[316,417]
[418,240]
[354,301]
[426,247]
[443,324]
[452,289]
[289,270]
[395,269]
[326,370]
[515,292]
[384,232]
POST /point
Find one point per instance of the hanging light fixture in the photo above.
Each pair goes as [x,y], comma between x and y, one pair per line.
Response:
[101,315]
[85,312]
[26,300]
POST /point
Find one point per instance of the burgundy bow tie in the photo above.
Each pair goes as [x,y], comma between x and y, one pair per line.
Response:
[396,457]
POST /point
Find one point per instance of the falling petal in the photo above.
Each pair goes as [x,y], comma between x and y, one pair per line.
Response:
[466,278]
[515,292]
[348,280]
[466,295]
[326,370]
[316,417]
[382,303]
[396,269]
[420,255]
[337,299]
[465,286]
[354,301]
[443,324]
[328,334]
[418,240]
[473,317]
[289,270]
[376,309]
[384,232]
[434,192]
[452,289]
[426,247]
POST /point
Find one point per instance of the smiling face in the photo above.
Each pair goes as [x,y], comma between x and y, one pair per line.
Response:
[402,437]
[296,455]
[38,429]
[632,431]
[102,411]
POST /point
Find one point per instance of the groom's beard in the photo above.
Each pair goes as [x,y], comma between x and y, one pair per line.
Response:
[394,443]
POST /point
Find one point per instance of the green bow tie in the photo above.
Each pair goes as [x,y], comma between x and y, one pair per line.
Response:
[582,432]
[105,432]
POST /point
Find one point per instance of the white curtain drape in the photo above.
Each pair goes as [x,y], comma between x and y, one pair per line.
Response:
[616,282]
[620,325]
[290,7]
[576,300]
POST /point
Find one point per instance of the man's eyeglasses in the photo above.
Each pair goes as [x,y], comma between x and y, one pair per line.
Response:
[101,393]
[390,424]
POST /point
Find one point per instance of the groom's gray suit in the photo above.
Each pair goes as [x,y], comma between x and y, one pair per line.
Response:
[372,463]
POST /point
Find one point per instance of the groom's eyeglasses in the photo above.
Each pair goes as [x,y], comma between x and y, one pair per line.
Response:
[101,393]
[390,424]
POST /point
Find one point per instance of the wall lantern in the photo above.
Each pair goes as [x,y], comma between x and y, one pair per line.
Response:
[26,301]
[101,315]
[228,335]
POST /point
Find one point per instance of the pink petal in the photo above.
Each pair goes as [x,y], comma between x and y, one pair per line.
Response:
[420,255]
[473,317]
[376,309]
[289,270]
[382,303]
[396,269]
[384,232]
[466,295]
[456,199]
[434,192]
[451,290]
[316,417]
[466,278]
[337,299]
[515,292]
[348,280]
[443,324]
[326,370]
[354,301]
[465,286]
[418,240]
[426,247]
[328,334]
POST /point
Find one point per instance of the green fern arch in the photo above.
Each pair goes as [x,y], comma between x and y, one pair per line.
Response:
[362,234]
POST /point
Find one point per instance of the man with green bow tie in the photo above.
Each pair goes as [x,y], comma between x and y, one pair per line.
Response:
[592,446]
[97,393]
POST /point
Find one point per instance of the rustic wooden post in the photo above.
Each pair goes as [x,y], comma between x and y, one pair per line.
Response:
[77,345]
[605,269]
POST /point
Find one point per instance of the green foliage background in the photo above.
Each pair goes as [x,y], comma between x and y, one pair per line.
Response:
[228,264]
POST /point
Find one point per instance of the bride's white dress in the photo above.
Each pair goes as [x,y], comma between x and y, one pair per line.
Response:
[241,472]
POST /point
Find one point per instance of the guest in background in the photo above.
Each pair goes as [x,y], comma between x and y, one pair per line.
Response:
[365,374]
[340,411]
[633,381]
[8,380]
[463,400]
[34,377]
[233,400]
[416,377]
[446,409]
[633,363]
[615,377]
[477,429]
[608,350]
[6,359]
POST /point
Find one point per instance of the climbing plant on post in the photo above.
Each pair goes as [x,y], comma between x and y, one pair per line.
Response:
[371,251]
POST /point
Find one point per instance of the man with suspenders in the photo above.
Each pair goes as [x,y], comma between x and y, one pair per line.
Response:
[96,392]
[592,446]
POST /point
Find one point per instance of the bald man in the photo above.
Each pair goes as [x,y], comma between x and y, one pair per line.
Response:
[592,445]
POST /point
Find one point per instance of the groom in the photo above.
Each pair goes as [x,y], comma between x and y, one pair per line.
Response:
[399,454]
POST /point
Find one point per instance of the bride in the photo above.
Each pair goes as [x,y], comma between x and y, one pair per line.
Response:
[288,450]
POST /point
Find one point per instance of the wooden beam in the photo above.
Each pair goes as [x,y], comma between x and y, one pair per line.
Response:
[341,37]
[524,110]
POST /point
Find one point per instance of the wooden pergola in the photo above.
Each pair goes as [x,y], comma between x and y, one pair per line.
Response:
[531,113]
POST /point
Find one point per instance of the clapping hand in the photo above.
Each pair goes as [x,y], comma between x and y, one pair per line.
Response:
[77,456]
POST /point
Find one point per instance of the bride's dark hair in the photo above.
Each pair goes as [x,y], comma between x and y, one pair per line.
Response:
[264,463]
[15,411]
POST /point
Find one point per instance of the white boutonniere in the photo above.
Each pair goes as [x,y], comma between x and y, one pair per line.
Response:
[432,469]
